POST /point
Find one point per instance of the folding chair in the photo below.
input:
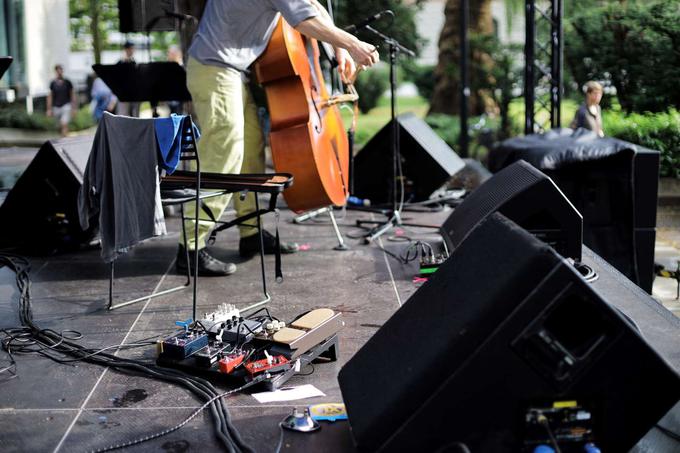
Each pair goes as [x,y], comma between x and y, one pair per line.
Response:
[185,186]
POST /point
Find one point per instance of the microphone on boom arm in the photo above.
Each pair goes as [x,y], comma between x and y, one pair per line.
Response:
[369,20]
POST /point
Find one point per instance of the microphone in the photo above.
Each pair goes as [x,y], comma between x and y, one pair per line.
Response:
[368,20]
[179,16]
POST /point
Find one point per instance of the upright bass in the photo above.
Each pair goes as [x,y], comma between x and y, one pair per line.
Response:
[308,139]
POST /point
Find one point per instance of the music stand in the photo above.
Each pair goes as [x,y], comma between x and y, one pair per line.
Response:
[152,82]
[5,62]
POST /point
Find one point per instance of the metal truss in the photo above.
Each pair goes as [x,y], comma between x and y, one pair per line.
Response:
[543,56]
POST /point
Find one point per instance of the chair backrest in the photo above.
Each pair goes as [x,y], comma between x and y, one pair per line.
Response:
[188,146]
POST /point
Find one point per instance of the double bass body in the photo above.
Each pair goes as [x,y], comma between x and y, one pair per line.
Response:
[307,136]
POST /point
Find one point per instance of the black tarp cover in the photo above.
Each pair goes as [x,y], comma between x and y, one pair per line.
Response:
[557,147]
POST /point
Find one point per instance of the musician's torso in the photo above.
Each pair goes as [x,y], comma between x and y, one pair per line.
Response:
[234,33]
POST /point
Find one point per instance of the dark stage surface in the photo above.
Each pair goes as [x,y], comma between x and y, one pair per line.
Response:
[81,407]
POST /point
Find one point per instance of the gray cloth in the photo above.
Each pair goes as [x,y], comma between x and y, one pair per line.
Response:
[120,184]
[233,33]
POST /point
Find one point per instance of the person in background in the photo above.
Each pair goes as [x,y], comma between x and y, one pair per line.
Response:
[589,115]
[61,100]
[128,108]
[128,53]
[102,98]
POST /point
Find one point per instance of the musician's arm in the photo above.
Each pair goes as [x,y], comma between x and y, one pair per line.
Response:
[321,27]
[322,11]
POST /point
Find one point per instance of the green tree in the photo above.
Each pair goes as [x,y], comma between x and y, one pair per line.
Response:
[445,97]
[91,21]
[633,46]
[500,76]
[402,28]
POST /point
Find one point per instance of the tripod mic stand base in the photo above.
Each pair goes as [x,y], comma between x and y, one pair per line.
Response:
[375,233]
[342,246]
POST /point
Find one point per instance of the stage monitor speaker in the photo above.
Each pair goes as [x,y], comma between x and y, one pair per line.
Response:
[529,198]
[617,196]
[40,212]
[505,331]
[427,162]
[135,15]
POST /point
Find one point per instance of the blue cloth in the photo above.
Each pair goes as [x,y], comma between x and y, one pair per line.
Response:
[169,137]
[102,97]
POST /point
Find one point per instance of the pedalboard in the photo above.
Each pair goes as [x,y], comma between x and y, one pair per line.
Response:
[225,347]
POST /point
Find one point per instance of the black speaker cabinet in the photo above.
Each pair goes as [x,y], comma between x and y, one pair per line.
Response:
[617,196]
[427,162]
[616,193]
[529,198]
[504,330]
[136,15]
[40,213]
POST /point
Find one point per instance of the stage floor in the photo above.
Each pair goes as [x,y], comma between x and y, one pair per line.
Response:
[82,407]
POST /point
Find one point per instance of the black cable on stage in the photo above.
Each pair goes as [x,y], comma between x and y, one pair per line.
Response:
[54,345]
[412,251]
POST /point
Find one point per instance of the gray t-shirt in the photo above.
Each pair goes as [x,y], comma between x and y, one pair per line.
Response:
[233,33]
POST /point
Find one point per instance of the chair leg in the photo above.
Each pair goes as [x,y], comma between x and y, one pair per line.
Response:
[111,277]
[186,245]
[161,293]
[267,297]
[196,209]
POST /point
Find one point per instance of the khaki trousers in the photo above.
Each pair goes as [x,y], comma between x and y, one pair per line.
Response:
[231,140]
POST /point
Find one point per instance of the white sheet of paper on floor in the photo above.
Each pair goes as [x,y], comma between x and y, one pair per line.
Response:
[289,394]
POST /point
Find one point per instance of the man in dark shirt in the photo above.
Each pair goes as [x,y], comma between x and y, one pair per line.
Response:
[61,100]
[128,108]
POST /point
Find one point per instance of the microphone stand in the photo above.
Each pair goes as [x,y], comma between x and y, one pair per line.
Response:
[394,215]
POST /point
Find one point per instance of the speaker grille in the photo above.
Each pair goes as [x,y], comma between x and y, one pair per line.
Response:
[488,198]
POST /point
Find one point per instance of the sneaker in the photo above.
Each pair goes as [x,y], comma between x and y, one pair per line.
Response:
[208,265]
[250,245]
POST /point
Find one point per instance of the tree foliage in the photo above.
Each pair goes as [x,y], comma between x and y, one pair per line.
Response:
[91,21]
[500,76]
[403,28]
[633,46]
[446,96]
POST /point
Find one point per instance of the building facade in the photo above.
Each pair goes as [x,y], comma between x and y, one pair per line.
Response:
[36,34]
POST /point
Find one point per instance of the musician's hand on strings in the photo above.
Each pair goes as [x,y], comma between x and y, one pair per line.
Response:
[346,66]
[364,54]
